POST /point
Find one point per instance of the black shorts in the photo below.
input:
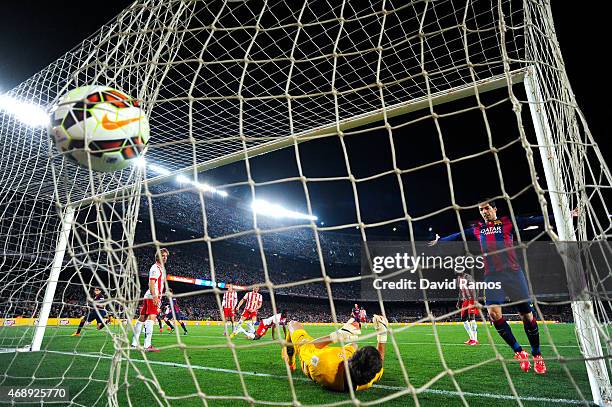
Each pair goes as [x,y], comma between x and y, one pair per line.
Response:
[179,316]
[97,315]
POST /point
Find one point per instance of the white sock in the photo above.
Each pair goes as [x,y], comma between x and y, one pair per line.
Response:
[468,329]
[237,327]
[148,328]
[241,330]
[474,330]
[228,324]
[251,327]
[136,336]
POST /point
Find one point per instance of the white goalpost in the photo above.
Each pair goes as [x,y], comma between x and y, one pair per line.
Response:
[230,82]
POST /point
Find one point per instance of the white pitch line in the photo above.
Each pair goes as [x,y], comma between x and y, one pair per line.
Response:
[399,343]
[380,386]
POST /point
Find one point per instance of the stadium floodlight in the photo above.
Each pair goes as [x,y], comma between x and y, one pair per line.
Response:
[27,113]
[158,169]
[276,211]
[203,187]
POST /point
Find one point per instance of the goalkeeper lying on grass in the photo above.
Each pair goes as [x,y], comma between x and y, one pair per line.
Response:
[324,364]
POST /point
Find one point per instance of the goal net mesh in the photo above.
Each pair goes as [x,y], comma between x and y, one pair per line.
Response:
[388,112]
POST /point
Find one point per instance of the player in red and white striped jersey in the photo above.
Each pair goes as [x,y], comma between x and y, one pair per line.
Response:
[467,297]
[363,317]
[149,307]
[230,298]
[252,301]
[279,319]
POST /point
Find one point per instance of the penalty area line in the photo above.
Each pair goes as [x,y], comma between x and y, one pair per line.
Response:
[379,386]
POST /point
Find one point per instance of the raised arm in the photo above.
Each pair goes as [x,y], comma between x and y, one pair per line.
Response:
[469,234]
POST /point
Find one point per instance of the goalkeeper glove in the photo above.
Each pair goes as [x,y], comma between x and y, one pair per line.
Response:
[347,333]
[381,326]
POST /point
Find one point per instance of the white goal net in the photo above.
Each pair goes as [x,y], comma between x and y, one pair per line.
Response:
[372,121]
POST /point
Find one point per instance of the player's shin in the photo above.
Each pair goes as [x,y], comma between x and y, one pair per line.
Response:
[183,326]
[148,328]
[137,329]
[533,335]
[78,331]
[474,326]
[468,329]
[502,327]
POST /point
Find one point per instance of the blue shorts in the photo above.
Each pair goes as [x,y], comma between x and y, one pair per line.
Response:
[513,285]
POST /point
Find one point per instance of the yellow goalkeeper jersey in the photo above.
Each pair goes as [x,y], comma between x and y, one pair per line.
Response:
[325,366]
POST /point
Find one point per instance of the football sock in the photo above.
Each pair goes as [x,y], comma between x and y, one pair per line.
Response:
[159,321]
[83,323]
[148,328]
[170,324]
[183,326]
[136,337]
[533,334]
[474,330]
[502,327]
[468,329]
[251,326]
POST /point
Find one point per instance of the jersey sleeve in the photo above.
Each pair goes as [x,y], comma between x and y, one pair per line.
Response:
[469,235]
[154,272]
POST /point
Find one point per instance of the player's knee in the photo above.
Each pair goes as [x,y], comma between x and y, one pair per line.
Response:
[495,315]
[364,365]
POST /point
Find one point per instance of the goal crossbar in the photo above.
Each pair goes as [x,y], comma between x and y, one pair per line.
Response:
[332,129]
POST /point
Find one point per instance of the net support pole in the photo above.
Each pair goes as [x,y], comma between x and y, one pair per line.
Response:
[58,258]
[584,317]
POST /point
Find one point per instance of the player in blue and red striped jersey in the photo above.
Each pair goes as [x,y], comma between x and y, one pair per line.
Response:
[98,313]
[178,315]
[355,314]
[497,234]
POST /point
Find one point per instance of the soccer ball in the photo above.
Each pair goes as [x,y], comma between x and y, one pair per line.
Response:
[107,121]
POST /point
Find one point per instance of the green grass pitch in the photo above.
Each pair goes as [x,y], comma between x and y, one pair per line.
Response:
[83,364]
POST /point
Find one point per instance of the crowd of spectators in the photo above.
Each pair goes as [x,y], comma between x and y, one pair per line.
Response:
[227,217]
[71,302]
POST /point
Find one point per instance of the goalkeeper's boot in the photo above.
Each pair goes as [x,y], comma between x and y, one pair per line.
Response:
[232,335]
[538,365]
[161,330]
[523,358]
[76,334]
[468,342]
[151,349]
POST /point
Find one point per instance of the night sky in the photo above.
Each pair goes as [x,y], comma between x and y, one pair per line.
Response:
[33,34]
